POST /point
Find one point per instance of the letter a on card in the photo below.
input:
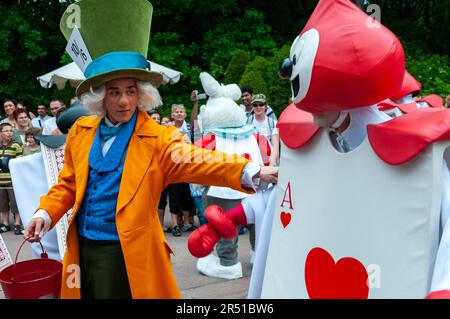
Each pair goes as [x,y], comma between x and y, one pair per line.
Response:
[287,194]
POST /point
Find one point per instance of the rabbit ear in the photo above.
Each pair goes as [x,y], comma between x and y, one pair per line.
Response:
[231,91]
[210,85]
[214,89]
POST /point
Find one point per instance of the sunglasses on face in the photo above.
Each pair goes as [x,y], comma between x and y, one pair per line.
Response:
[258,105]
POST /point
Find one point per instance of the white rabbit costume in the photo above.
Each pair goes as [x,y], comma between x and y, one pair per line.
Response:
[223,125]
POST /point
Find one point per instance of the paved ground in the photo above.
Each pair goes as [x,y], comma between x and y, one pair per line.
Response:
[192,284]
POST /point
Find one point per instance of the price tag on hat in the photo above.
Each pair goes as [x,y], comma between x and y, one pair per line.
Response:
[77,50]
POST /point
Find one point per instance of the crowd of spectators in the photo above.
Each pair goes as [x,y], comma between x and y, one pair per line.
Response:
[187,200]
[18,129]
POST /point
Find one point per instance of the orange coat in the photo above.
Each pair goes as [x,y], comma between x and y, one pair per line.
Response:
[156,157]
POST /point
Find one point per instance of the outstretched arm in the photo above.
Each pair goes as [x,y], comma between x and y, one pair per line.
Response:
[182,162]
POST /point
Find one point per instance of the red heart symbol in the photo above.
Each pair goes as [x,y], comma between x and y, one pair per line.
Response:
[325,279]
[285,218]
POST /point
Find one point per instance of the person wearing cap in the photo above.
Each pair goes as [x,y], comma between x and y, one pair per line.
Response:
[265,125]
[119,160]
[247,98]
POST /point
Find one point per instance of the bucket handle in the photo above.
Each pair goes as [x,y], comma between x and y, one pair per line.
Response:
[44,255]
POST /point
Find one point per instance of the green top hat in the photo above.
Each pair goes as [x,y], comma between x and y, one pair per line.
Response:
[117,34]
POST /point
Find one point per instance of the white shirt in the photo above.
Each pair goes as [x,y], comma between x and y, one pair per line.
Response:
[49,126]
[39,122]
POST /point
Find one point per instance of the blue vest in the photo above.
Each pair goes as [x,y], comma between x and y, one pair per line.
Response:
[96,219]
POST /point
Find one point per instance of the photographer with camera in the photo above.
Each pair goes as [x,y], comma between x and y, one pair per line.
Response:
[8,150]
[195,96]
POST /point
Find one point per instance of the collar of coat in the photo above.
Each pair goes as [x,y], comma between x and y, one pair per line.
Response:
[145,126]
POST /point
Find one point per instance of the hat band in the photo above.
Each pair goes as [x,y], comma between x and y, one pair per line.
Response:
[116,61]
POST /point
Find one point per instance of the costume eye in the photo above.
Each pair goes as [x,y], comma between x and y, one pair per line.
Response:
[294,59]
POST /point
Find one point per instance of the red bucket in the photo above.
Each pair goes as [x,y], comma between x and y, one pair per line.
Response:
[32,279]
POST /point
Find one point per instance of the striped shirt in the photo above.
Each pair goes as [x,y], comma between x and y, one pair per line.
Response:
[7,152]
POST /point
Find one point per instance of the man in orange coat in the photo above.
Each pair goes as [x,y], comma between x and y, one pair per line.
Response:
[118,162]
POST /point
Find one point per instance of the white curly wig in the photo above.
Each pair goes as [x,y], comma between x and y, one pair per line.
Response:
[149,98]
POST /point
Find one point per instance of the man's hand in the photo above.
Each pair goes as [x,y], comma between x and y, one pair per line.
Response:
[269,174]
[33,230]
[194,95]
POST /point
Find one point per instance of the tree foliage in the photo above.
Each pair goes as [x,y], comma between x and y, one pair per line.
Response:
[255,75]
[31,47]
[235,40]
[279,89]
[431,70]
[236,67]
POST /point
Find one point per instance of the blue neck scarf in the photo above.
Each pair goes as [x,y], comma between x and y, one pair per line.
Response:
[112,159]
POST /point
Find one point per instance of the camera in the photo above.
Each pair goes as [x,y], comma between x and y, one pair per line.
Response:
[201,96]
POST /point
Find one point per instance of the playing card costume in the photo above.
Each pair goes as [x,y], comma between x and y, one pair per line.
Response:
[361,207]
[407,99]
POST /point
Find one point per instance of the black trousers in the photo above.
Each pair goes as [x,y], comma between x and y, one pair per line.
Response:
[103,271]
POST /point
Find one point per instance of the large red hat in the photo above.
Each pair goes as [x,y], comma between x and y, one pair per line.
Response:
[409,86]
[344,59]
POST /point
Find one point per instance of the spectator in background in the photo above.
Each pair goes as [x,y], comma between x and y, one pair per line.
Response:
[32,145]
[9,105]
[9,149]
[21,105]
[447,102]
[41,118]
[22,125]
[155,116]
[50,127]
[266,126]
[197,191]
[196,134]
[247,99]
[165,121]
[180,200]
[179,117]
[74,100]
